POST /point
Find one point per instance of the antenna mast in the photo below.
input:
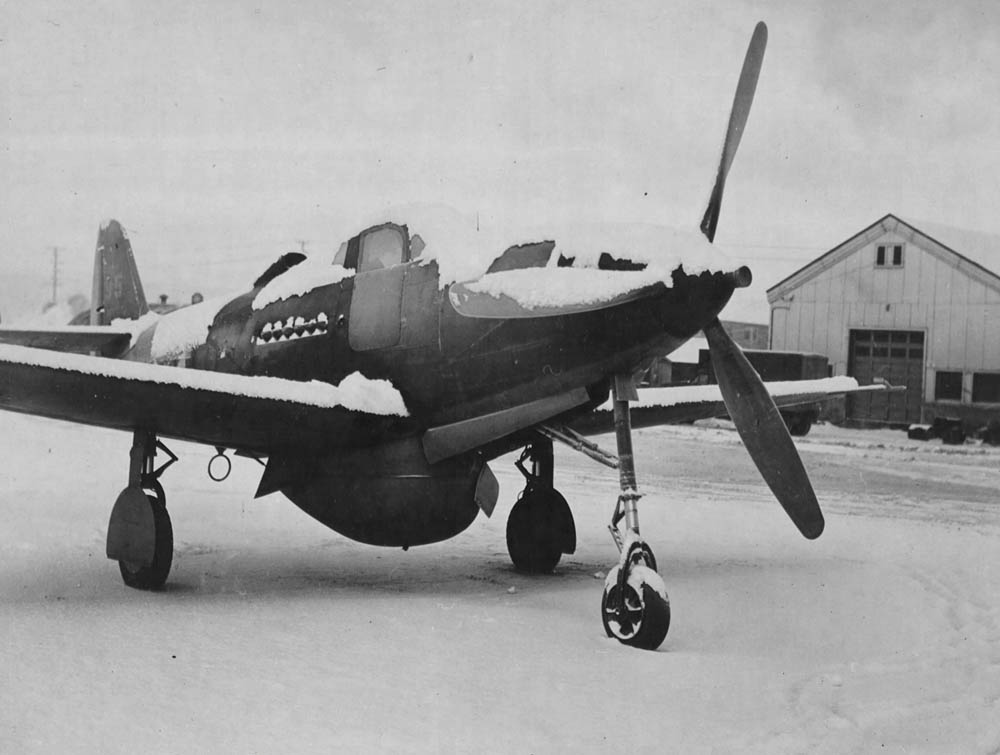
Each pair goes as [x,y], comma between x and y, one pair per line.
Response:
[55,274]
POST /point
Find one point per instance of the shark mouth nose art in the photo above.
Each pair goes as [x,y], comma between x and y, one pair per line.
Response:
[292,329]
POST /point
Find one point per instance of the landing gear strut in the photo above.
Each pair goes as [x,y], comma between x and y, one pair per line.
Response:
[635,609]
[540,527]
[140,536]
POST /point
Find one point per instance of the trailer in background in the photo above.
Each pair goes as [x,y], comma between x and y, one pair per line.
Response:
[776,366]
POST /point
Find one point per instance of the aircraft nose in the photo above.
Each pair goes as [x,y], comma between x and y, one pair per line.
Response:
[742,277]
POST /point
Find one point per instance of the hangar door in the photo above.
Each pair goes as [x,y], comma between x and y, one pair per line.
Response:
[896,356]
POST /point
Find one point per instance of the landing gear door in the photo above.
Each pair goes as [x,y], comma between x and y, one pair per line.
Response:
[376,303]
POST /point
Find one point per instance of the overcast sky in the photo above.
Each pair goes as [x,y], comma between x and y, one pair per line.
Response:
[221,133]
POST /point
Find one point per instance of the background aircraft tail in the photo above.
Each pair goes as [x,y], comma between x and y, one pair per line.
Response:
[117,292]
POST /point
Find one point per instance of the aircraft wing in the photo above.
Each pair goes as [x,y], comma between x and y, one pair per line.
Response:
[83,339]
[258,414]
[679,404]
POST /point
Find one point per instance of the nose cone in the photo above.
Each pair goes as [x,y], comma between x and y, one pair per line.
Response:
[742,277]
[693,301]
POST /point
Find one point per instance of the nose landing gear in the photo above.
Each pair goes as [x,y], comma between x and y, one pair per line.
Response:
[635,609]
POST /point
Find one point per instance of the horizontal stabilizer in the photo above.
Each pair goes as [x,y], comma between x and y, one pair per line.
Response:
[100,340]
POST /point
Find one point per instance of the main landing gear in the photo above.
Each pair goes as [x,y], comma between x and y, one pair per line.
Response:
[540,527]
[140,536]
[635,608]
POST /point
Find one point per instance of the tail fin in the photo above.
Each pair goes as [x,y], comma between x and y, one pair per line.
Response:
[117,292]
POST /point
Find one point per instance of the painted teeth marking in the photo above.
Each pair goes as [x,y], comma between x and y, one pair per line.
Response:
[292,329]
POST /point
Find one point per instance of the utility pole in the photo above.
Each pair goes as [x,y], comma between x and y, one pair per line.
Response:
[302,244]
[55,274]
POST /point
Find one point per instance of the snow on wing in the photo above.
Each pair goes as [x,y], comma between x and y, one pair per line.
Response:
[679,404]
[257,414]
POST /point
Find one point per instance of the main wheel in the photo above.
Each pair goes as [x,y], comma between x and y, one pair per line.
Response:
[154,576]
[798,423]
[539,530]
[641,617]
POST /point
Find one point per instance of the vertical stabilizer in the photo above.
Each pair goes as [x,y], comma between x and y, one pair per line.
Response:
[117,292]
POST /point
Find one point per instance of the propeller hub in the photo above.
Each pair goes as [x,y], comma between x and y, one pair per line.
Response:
[742,277]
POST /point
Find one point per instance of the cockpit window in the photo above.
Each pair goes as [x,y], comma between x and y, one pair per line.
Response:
[417,246]
[382,247]
[341,257]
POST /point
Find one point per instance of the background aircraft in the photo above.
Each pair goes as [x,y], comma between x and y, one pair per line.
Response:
[376,389]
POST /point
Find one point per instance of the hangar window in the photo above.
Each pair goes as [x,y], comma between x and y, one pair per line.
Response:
[948,386]
[986,387]
[889,255]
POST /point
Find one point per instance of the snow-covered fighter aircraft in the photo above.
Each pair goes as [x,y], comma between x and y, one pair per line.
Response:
[378,386]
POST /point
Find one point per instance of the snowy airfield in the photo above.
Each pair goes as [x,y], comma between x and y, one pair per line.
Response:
[277,635]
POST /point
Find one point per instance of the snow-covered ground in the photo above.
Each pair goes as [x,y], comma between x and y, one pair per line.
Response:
[277,635]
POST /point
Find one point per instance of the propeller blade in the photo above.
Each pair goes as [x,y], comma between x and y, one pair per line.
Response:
[763,431]
[737,121]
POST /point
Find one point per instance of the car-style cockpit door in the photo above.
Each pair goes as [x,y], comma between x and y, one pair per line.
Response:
[378,255]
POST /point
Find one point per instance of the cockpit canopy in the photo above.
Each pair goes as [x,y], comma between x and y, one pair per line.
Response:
[379,247]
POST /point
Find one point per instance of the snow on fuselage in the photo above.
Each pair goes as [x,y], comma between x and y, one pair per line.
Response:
[524,335]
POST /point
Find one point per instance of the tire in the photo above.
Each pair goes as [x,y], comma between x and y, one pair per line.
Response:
[538,531]
[648,617]
[798,424]
[154,576]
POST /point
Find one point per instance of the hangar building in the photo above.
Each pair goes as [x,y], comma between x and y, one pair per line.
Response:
[918,306]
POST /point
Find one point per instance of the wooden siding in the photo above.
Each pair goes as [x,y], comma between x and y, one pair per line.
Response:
[934,291]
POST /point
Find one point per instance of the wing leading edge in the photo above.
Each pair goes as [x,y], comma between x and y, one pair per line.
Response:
[260,414]
[687,403]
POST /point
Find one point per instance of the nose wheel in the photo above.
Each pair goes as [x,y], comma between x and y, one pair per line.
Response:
[635,609]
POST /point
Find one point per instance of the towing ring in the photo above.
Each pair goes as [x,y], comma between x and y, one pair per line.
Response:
[220,454]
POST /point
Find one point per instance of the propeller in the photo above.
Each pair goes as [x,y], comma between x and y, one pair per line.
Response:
[749,404]
[763,431]
[737,121]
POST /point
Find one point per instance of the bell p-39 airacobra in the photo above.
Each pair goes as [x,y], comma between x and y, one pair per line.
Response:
[377,388]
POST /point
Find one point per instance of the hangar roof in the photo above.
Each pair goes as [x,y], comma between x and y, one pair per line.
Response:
[976,252]
[977,246]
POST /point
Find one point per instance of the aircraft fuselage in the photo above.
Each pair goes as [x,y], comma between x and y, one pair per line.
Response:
[448,366]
